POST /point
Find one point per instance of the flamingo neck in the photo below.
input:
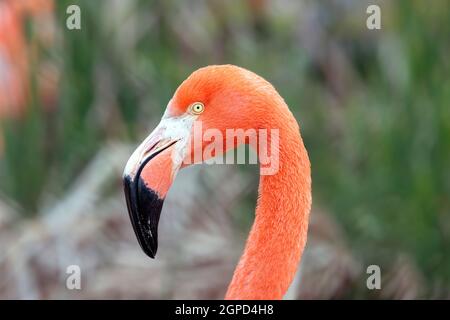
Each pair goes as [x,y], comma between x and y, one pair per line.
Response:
[278,235]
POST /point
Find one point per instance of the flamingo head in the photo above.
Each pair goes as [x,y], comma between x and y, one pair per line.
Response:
[214,97]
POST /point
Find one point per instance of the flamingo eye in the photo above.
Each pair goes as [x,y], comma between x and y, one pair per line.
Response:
[197,108]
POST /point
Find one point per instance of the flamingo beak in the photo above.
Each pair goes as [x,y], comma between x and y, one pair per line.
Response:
[149,174]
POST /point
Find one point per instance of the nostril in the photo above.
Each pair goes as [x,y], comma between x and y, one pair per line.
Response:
[152,147]
[161,144]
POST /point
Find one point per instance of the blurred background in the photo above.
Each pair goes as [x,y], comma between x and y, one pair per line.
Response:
[373,106]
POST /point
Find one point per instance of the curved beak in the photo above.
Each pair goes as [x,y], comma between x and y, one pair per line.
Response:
[149,174]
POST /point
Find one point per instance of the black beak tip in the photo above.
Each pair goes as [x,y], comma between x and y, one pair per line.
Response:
[144,209]
[148,250]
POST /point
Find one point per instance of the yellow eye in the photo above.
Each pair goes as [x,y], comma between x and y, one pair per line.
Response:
[197,108]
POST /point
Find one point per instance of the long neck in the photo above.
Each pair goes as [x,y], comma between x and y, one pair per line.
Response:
[278,236]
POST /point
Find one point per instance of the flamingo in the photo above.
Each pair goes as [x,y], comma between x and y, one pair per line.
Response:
[16,53]
[16,57]
[225,97]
